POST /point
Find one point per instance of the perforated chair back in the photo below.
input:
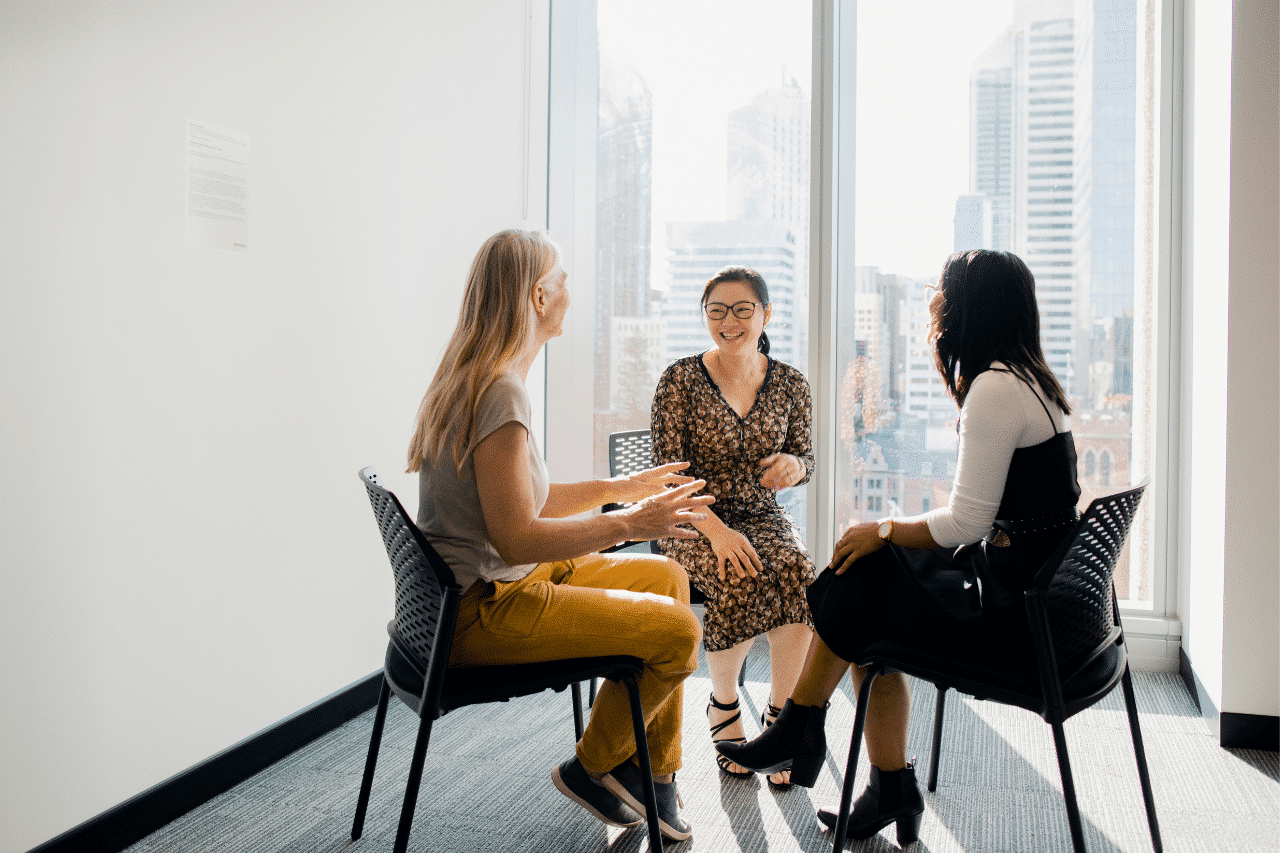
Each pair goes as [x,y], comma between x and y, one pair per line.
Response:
[630,451]
[426,591]
[1076,583]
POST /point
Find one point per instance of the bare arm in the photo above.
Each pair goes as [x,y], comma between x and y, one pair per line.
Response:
[505,486]
[564,499]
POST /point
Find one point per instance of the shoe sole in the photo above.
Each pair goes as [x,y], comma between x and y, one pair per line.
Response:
[564,788]
[668,831]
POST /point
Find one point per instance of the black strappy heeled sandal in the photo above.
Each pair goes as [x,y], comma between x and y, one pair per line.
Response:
[723,762]
[767,717]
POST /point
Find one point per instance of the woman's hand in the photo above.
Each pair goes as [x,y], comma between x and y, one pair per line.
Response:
[651,481]
[857,542]
[734,550]
[662,515]
[782,471]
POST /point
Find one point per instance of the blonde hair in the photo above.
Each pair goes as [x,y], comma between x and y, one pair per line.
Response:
[495,328]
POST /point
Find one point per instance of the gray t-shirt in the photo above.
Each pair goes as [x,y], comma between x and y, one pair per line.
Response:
[448,504]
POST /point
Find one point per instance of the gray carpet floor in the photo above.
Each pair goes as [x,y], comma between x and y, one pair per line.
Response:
[487,785]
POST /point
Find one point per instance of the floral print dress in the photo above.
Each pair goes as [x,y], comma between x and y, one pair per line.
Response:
[693,422]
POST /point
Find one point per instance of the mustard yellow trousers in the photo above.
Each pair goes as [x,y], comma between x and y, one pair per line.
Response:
[600,604]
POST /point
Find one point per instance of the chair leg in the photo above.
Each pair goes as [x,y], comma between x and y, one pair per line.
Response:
[851,768]
[591,693]
[411,787]
[939,706]
[742,674]
[1144,775]
[577,711]
[1068,789]
[646,766]
[375,741]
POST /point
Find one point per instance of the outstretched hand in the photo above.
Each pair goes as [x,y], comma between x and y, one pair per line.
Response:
[857,542]
[651,481]
[664,514]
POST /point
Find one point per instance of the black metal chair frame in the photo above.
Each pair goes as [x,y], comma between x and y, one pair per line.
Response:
[1073,670]
[416,668]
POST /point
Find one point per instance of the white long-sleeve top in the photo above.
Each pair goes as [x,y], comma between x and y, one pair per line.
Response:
[1001,413]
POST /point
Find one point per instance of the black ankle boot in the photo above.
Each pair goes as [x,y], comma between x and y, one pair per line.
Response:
[892,796]
[796,740]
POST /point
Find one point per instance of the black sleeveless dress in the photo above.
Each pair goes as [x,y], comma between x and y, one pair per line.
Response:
[968,599]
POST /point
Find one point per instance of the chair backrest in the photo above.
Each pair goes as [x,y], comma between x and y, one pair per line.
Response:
[629,452]
[1076,584]
[426,592]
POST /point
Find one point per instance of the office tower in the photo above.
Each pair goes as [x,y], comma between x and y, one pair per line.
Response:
[623,238]
[698,250]
[1036,56]
[926,401]
[973,223]
[991,138]
[1105,105]
[768,179]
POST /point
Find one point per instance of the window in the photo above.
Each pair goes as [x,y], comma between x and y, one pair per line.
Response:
[889,414]
[1045,168]
[702,162]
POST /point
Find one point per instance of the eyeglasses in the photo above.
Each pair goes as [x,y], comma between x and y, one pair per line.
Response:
[741,310]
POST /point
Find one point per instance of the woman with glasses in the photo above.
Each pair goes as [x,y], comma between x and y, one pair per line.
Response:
[951,578]
[741,419]
[533,588]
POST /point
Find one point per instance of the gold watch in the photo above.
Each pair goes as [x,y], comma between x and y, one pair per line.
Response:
[886,530]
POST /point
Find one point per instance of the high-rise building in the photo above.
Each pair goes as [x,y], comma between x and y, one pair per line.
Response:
[698,250]
[623,238]
[768,178]
[973,223]
[1105,104]
[991,138]
[1022,96]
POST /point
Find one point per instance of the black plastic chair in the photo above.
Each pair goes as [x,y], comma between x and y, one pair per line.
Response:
[416,668]
[1079,651]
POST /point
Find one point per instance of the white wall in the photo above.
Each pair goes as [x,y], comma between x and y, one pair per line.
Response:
[186,555]
[1229,456]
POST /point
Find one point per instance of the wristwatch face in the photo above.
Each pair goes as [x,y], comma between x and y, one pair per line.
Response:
[886,528]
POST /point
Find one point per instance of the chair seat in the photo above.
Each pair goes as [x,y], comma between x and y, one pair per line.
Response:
[1010,687]
[481,684]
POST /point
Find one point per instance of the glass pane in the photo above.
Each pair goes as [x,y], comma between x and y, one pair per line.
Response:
[1007,126]
[703,162]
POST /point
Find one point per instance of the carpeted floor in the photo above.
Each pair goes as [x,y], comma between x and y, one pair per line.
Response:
[487,785]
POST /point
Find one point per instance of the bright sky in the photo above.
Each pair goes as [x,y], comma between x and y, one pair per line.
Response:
[703,58]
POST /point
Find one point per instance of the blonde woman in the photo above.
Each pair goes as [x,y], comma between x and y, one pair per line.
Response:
[533,587]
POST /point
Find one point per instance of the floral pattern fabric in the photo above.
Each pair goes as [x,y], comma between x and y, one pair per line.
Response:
[693,422]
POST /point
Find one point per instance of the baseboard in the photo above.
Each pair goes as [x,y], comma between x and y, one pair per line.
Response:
[1249,731]
[138,817]
[1231,730]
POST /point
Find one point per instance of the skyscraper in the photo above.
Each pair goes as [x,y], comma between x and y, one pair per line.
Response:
[625,158]
[1022,95]
[768,174]
[1105,105]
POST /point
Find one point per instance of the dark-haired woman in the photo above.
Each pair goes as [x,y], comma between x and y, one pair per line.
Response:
[741,419]
[951,576]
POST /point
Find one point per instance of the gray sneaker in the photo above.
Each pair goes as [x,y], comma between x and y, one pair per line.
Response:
[625,781]
[571,779]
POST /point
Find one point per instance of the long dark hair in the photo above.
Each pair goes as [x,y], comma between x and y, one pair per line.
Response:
[749,277]
[986,311]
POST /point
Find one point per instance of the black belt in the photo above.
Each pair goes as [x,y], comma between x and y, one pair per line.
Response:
[1003,528]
